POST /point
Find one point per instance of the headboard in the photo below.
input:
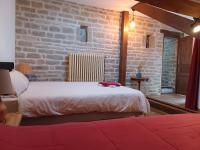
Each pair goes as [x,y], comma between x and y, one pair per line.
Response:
[7,65]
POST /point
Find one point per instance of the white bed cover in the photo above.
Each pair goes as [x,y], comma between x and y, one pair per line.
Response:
[62,98]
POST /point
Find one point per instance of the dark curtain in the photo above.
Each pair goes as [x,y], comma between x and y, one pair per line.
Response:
[193,83]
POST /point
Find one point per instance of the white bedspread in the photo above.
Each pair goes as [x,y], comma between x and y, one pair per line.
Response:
[61,98]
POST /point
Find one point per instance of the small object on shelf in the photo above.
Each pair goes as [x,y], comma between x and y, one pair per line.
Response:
[139,71]
[139,75]
[139,80]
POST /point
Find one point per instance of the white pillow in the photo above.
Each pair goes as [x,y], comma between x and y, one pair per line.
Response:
[19,82]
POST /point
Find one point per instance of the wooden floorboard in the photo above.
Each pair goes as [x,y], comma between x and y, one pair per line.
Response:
[155,112]
[168,108]
[175,99]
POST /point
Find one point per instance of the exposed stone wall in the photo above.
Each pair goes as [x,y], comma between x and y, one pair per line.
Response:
[150,58]
[47,30]
[169,62]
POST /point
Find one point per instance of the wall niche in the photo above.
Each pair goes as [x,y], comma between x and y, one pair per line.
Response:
[149,41]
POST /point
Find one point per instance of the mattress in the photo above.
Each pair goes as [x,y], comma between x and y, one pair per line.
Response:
[63,98]
[173,132]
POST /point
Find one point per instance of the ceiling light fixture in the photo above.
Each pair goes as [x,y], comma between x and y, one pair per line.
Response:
[196,25]
[132,23]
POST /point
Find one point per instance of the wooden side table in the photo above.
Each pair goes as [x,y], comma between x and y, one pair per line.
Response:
[11,103]
[13,119]
[139,80]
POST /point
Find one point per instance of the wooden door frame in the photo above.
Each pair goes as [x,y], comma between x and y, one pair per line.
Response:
[176,35]
[179,51]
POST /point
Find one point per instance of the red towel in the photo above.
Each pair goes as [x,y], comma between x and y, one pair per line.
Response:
[110,83]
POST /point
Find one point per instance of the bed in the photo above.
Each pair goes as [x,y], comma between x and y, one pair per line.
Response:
[170,132]
[39,99]
[65,98]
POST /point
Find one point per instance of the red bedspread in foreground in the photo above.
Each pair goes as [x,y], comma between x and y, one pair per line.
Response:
[180,132]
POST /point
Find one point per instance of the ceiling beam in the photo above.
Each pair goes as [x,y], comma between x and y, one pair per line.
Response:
[123,47]
[178,22]
[185,7]
[172,34]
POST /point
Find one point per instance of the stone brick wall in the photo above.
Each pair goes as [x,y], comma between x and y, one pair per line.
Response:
[150,58]
[169,62]
[47,31]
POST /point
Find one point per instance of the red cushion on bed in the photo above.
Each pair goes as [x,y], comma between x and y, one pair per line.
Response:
[110,83]
[151,133]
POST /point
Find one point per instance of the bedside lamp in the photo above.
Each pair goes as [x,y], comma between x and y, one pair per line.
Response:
[24,68]
[5,89]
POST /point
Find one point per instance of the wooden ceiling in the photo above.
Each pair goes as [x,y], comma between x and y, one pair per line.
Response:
[160,10]
[165,17]
[185,7]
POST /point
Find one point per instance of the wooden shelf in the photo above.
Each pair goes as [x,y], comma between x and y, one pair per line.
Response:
[139,80]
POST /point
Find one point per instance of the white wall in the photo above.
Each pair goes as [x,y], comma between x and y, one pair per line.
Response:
[7,30]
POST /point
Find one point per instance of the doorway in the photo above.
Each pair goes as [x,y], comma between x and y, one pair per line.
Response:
[176,60]
[169,65]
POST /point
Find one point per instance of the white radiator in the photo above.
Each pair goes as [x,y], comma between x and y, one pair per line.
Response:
[86,67]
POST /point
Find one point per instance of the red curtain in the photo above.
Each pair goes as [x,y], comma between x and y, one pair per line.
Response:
[193,83]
